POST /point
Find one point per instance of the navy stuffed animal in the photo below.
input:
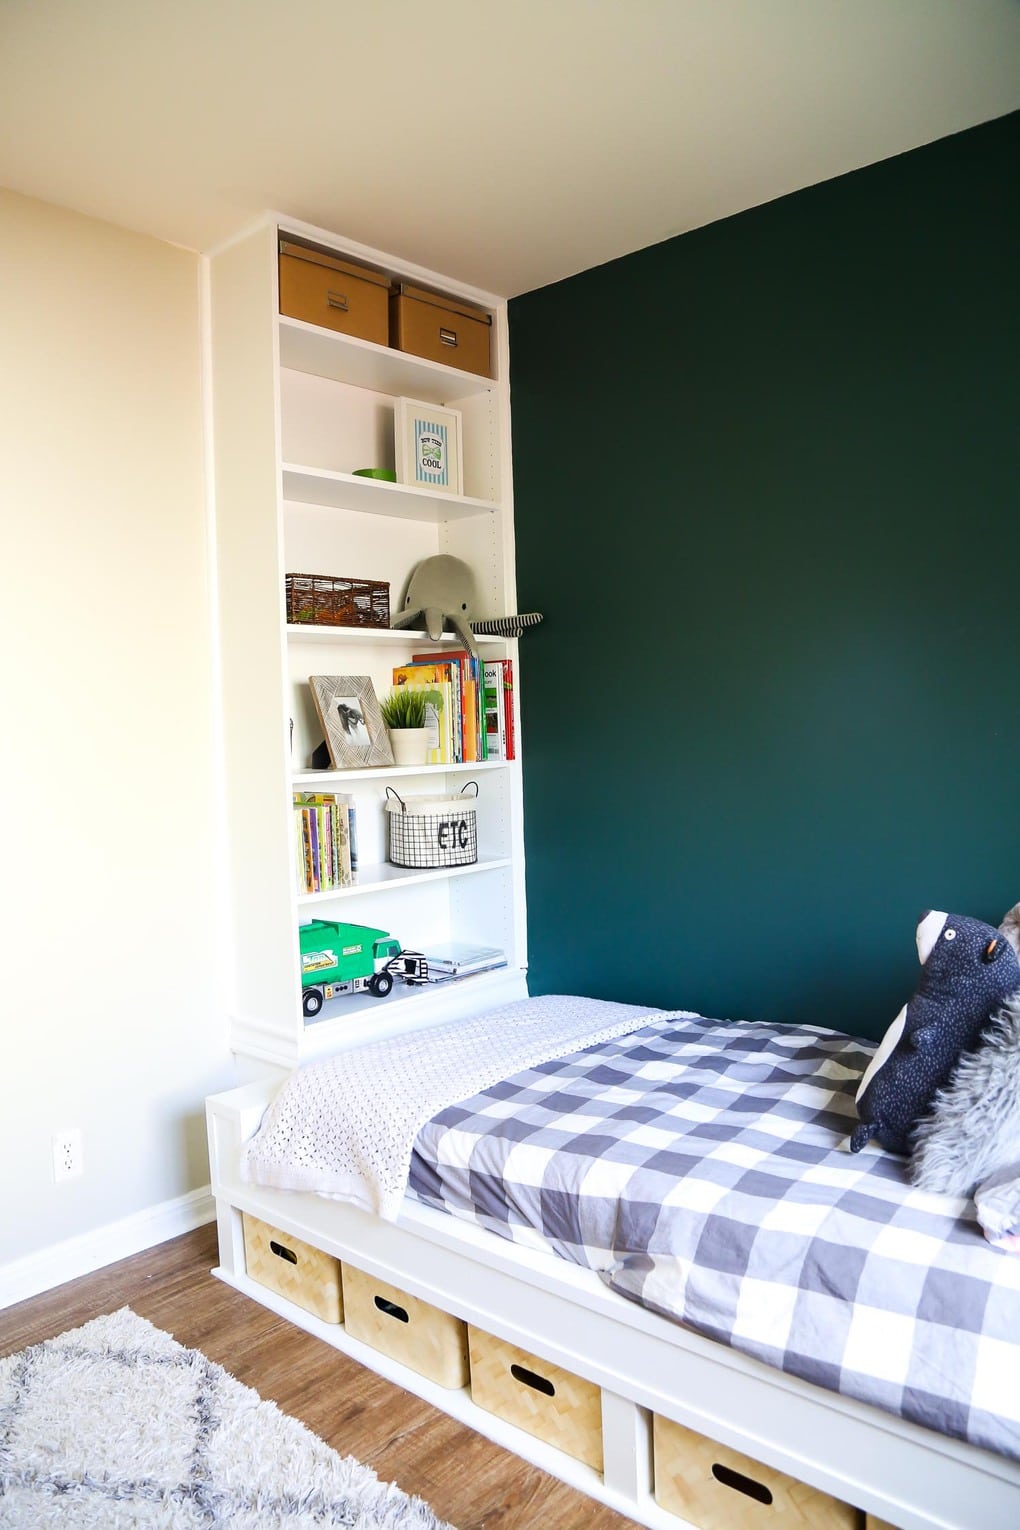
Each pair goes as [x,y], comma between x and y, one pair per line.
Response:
[968,969]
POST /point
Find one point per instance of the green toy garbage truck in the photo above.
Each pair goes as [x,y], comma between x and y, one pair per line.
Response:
[347,958]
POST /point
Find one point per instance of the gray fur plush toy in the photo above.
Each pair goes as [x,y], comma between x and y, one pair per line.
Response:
[972,1129]
[967,969]
[1010,927]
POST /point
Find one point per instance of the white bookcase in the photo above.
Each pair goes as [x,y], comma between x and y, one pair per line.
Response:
[295,409]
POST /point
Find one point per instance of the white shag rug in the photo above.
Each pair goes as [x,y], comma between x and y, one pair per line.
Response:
[115,1424]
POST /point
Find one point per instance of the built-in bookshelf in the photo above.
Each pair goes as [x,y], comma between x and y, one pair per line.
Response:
[296,410]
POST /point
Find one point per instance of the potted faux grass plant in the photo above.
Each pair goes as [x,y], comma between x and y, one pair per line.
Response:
[405,715]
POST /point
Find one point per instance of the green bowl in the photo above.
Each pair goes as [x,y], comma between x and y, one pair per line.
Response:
[384,473]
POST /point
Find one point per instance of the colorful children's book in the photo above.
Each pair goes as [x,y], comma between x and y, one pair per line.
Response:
[436,682]
[352,830]
[303,846]
[470,669]
[323,823]
[453,673]
[495,719]
[499,708]
[508,707]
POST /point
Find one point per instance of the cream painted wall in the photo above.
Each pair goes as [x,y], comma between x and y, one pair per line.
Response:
[110,1008]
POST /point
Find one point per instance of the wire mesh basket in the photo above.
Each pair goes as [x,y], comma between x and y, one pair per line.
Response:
[432,831]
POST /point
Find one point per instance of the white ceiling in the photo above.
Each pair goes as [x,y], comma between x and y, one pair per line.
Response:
[505,144]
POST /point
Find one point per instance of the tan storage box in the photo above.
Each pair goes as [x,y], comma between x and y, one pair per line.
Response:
[336,294]
[717,1488]
[421,1337]
[304,1275]
[440,328]
[537,1396]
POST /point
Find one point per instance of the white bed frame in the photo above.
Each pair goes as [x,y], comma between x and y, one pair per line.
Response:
[898,1472]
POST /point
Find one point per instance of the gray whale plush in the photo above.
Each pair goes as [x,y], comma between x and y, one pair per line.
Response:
[442,590]
[968,969]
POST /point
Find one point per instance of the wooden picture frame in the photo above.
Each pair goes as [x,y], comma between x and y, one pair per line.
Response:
[351,719]
[427,446]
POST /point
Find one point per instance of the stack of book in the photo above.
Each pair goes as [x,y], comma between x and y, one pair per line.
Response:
[325,841]
[458,958]
[468,704]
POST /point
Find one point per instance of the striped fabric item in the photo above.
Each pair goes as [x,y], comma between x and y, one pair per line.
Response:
[506,626]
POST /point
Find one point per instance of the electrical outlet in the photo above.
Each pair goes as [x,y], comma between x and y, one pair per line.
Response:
[67,1155]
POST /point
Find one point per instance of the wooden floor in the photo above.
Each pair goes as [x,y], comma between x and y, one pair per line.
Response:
[467,1480]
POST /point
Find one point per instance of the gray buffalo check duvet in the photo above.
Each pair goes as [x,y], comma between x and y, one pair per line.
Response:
[701,1168]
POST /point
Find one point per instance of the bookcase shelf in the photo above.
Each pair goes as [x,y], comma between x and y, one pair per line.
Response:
[375,878]
[344,358]
[328,780]
[309,633]
[293,408]
[373,496]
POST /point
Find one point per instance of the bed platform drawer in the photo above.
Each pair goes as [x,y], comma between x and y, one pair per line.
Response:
[304,1275]
[541,1398]
[421,1337]
[716,1488]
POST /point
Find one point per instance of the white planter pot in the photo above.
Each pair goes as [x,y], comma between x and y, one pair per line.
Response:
[410,745]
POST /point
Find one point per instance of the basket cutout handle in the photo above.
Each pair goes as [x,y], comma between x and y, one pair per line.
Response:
[741,1484]
[282,1252]
[391,1309]
[532,1379]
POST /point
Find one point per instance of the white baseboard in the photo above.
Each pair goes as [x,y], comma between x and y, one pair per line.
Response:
[91,1251]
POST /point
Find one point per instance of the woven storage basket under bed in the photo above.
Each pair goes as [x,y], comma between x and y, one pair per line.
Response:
[432,831]
[717,1488]
[304,1275]
[537,1396]
[420,1336]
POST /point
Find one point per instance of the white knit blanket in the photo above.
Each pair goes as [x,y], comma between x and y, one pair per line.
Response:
[345,1128]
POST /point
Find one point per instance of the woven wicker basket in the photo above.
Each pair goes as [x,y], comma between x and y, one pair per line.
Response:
[325,601]
[304,1275]
[719,1489]
[537,1396]
[420,1336]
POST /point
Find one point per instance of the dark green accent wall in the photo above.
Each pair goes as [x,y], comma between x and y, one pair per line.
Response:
[766,486]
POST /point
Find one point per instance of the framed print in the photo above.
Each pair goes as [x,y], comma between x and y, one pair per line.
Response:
[349,712]
[427,446]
